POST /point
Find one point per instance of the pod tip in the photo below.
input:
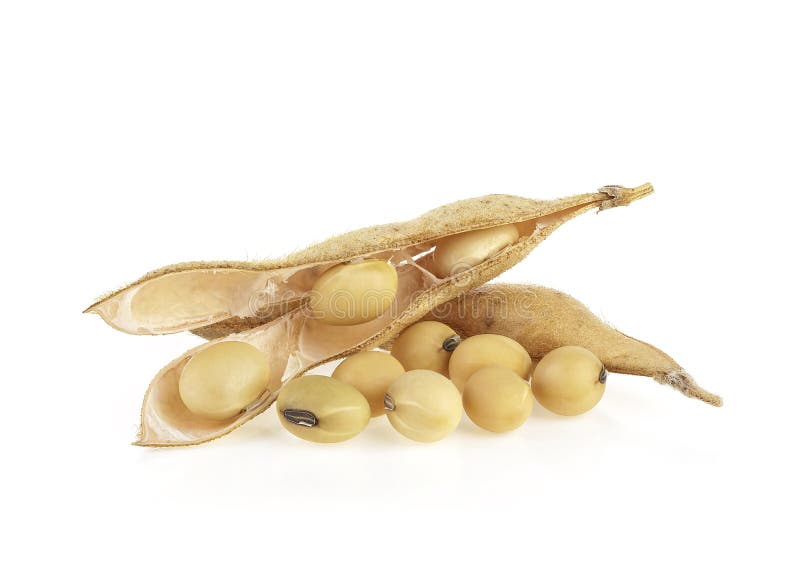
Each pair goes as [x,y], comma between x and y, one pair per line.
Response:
[679,379]
[622,196]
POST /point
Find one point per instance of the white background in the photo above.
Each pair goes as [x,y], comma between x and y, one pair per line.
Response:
[138,134]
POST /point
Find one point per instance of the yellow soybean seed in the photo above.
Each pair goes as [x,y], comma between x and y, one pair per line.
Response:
[322,409]
[569,381]
[488,350]
[354,293]
[460,252]
[220,381]
[423,405]
[497,399]
[371,373]
[426,345]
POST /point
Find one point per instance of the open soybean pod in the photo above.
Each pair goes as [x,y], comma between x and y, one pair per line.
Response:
[297,341]
[192,295]
[542,319]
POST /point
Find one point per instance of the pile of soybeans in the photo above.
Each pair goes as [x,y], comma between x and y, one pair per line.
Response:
[405,307]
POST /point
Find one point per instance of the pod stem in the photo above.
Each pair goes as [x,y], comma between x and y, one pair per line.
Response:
[679,379]
[621,196]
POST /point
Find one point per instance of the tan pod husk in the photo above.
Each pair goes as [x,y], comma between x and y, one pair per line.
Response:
[542,319]
[296,342]
[196,294]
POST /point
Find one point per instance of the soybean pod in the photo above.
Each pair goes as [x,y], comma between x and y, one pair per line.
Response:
[445,251]
[292,300]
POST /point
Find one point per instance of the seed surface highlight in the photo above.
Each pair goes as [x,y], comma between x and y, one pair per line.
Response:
[460,252]
[569,381]
[220,381]
[322,409]
[354,293]
[423,405]
[497,399]
[371,373]
[426,345]
[488,350]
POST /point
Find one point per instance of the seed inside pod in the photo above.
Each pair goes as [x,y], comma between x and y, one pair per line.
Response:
[354,293]
[371,373]
[220,381]
[488,350]
[322,409]
[426,345]
[569,381]
[497,399]
[423,405]
[460,252]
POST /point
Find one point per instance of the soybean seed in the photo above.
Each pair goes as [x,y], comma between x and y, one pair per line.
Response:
[460,252]
[371,373]
[322,409]
[497,399]
[354,293]
[569,381]
[426,345]
[488,350]
[220,381]
[423,405]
